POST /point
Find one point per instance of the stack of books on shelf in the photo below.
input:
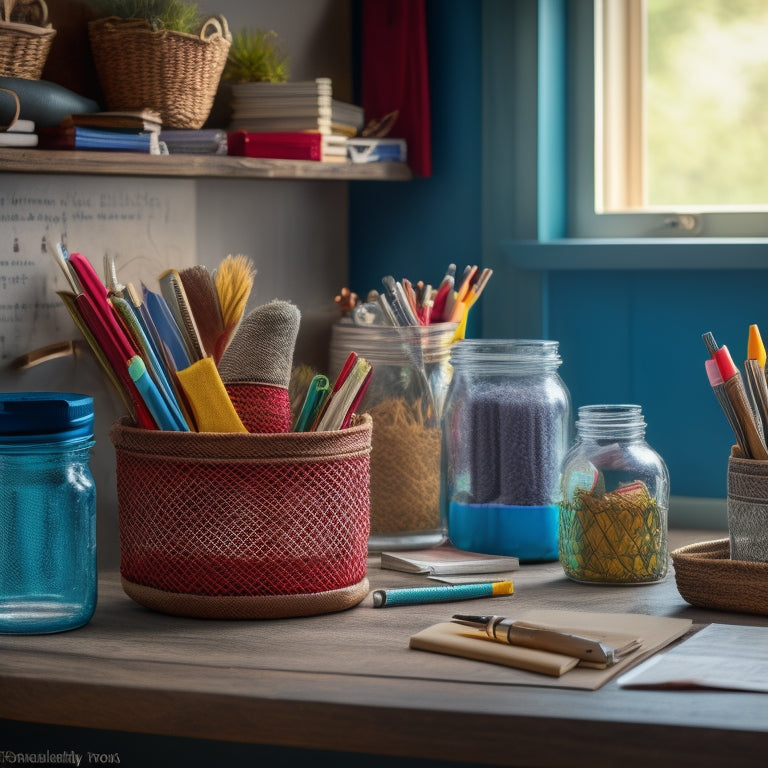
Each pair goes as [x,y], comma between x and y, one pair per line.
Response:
[377,150]
[288,145]
[20,134]
[302,107]
[281,145]
[189,141]
[132,131]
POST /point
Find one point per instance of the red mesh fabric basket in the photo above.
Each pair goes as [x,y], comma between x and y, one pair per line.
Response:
[243,525]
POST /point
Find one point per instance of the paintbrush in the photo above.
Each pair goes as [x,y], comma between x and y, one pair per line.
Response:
[234,282]
[204,304]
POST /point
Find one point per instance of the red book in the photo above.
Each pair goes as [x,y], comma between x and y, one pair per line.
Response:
[296,145]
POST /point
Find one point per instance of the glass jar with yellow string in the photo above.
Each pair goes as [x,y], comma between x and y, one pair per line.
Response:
[615,498]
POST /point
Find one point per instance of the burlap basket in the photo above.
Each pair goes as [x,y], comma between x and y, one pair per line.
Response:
[24,47]
[707,578]
[243,526]
[173,73]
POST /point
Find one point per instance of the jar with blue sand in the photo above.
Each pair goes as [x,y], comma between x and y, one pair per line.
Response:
[506,431]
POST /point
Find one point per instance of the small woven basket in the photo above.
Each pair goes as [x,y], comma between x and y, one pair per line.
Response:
[707,578]
[24,48]
[243,526]
[173,73]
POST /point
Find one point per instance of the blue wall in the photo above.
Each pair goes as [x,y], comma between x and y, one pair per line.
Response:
[635,336]
[414,230]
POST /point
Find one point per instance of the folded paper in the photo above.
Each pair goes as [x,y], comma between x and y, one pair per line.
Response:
[652,632]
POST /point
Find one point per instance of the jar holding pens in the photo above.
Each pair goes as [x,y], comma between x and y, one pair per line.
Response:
[405,401]
[406,332]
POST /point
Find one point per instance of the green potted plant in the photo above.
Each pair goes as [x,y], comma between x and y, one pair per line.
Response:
[162,55]
[171,15]
[256,56]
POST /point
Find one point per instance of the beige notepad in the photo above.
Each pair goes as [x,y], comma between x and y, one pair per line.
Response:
[653,632]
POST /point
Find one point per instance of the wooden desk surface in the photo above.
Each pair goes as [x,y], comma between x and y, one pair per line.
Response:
[349,682]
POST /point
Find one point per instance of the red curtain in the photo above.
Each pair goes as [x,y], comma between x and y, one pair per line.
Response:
[395,74]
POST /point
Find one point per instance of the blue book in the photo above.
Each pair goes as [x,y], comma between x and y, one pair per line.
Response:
[80,137]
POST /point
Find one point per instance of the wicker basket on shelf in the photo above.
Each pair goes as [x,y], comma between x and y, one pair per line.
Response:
[173,73]
[25,38]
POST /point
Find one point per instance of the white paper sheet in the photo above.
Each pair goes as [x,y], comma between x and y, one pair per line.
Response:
[720,656]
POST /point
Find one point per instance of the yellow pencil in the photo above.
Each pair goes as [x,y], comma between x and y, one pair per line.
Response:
[755,346]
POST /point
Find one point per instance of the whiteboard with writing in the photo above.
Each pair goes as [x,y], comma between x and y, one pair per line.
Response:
[147,226]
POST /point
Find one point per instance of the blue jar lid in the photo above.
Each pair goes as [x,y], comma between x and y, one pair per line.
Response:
[45,417]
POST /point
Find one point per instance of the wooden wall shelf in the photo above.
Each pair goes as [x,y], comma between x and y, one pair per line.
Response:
[192,166]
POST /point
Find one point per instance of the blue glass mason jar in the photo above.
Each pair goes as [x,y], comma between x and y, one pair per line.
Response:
[47,512]
[506,430]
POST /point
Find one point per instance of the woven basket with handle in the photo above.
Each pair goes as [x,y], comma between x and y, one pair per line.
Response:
[24,47]
[173,73]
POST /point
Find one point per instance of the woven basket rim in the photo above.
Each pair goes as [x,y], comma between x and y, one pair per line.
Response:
[27,29]
[236,446]
[120,25]
[706,577]
[716,554]
[363,423]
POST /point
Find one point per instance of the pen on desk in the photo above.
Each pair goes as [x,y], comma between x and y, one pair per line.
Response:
[511,632]
[439,594]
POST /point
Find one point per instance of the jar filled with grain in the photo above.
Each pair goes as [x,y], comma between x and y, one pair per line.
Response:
[411,375]
[506,431]
[615,498]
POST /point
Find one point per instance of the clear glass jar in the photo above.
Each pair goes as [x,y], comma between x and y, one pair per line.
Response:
[506,431]
[47,512]
[411,374]
[615,499]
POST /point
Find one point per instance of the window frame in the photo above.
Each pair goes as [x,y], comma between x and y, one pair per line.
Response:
[536,143]
[583,20]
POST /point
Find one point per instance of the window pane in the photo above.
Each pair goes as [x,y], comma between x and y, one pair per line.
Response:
[706,97]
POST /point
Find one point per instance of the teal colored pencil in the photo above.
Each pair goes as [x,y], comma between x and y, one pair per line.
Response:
[318,391]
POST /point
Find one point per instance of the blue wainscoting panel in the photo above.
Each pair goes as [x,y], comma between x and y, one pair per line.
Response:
[635,336]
